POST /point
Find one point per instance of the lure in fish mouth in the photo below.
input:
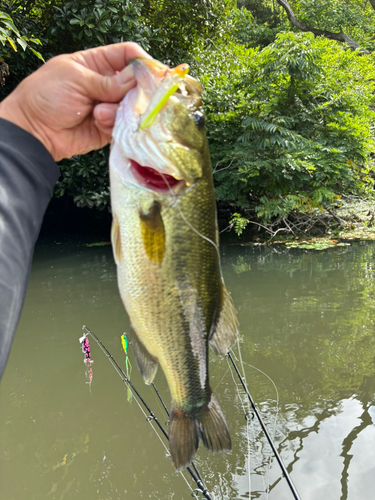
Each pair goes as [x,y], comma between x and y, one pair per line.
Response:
[145,138]
[168,265]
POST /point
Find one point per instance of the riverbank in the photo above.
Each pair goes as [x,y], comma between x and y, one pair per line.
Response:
[352,220]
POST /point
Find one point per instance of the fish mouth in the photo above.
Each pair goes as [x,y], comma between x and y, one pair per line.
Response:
[150,149]
[150,178]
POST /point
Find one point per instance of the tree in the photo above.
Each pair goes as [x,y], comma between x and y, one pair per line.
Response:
[290,126]
[335,15]
[183,22]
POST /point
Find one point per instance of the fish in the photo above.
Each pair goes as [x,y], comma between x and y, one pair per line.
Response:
[166,247]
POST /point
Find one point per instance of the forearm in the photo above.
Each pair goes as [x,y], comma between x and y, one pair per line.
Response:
[28,174]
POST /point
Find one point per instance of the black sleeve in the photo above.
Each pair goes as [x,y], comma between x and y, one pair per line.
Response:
[28,174]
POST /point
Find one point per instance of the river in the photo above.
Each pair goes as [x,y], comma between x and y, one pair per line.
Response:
[308,349]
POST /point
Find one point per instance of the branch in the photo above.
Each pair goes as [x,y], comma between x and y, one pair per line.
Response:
[340,37]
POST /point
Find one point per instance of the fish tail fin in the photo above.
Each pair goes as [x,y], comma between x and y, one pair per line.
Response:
[183,438]
[213,429]
[185,430]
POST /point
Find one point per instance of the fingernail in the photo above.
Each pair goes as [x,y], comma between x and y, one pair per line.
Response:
[125,75]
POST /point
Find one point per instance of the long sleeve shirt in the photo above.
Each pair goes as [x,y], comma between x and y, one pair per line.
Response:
[28,174]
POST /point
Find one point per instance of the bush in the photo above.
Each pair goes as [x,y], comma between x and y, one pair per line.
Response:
[290,126]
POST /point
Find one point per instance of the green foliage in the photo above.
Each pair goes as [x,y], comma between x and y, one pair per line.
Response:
[29,24]
[89,23]
[9,34]
[85,178]
[290,126]
[250,31]
[183,24]
[239,222]
[355,18]
[290,117]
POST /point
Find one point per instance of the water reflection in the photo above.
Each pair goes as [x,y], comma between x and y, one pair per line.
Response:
[306,321]
[311,317]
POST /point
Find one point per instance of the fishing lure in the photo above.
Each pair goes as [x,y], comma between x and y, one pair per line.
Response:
[128,366]
[168,87]
[85,345]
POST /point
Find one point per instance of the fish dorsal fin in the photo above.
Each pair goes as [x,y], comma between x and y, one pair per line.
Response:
[153,232]
[226,331]
[146,363]
[116,239]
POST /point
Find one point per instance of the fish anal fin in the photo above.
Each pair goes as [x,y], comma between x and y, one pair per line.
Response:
[147,364]
[186,428]
[153,232]
[226,331]
[116,239]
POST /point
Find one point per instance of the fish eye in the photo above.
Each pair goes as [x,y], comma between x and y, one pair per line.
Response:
[199,118]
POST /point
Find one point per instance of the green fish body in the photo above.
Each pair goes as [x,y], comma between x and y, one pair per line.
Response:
[165,244]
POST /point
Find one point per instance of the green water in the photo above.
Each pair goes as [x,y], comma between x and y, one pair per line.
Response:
[307,321]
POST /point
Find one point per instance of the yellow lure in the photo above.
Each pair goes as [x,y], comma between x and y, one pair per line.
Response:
[128,366]
[168,87]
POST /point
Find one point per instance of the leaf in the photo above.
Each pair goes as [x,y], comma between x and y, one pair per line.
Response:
[35,40]
[12,44]
[99,37]
[22,42]
[10,25]
[38,55]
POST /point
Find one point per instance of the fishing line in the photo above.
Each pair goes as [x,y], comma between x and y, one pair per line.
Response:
[247,420]
[276,412]
[151,417]
[187,222]
[266,484]
[160,398]
[266,433]
[247,428]
[222,378]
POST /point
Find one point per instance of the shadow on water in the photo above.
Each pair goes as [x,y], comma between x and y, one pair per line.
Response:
[306,322]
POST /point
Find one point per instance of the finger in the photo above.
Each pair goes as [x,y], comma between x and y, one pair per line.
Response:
[107,88]
[105,116]
[106,131]
[109,59]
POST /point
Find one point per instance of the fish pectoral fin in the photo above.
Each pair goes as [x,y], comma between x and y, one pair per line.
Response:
[147,364]
[226,331]
[116,239]
[153,232]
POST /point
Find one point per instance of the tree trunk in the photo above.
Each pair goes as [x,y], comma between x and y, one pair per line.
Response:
[340,37]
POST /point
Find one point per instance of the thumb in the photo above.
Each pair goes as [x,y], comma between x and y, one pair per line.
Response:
[107,88]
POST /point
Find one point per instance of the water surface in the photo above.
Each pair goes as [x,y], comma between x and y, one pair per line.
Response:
[306,322]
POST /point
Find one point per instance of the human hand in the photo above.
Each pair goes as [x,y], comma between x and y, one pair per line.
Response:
[70,102]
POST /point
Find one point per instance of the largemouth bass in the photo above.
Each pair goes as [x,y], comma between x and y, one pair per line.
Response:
[165,244]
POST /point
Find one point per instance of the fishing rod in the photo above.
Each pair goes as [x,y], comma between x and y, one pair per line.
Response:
[152,417]
[266,433]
